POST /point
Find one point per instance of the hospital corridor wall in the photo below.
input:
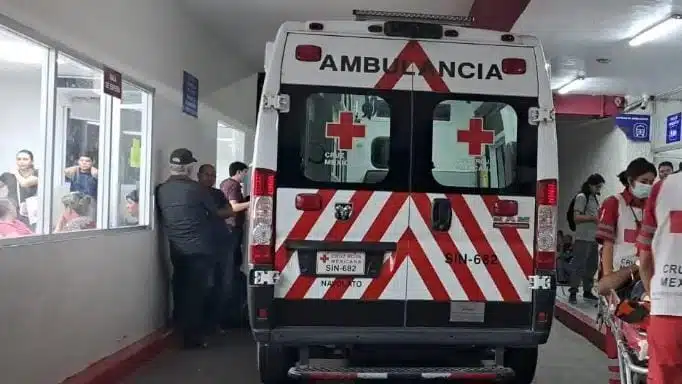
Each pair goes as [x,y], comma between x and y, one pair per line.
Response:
[71,299]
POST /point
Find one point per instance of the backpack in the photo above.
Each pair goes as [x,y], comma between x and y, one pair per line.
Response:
[570,216]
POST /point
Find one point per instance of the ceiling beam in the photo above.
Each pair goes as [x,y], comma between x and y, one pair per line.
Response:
[498,15]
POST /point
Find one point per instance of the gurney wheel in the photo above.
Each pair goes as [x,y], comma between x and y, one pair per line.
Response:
[523,361]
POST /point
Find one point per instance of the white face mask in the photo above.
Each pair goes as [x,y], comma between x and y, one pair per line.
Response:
[641,190]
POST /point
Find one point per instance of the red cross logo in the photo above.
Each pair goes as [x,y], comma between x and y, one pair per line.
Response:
[324,258]
[630,236]
[413,53]
[476,136]
[345,130]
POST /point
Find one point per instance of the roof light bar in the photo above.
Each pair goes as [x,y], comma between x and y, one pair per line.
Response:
[571,85]
[657,31]
[366,15]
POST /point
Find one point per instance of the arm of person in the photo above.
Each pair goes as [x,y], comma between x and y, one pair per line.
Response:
[606,233]
[579,209]
[238,207]
[645,238]
[26,182]
[212,208]
[70,171]
[94,172]
[616,279]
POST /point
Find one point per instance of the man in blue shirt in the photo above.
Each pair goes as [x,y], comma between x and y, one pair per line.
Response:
[188,216]
[83,177]
[219,305]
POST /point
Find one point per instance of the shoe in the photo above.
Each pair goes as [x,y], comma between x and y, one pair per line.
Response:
[590,296]
[572,299]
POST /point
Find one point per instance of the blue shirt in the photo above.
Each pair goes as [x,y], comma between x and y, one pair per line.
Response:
[84,182]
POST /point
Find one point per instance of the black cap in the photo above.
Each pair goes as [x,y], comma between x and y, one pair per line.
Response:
[182,156]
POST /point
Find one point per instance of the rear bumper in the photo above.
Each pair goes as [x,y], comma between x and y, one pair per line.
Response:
[391,335]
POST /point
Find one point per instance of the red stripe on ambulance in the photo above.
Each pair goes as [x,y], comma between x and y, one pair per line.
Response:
[447,245]
[412,53]
[482,246]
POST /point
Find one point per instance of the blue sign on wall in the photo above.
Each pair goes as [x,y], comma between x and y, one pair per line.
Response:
[673,128]
[636,127]
[190,94]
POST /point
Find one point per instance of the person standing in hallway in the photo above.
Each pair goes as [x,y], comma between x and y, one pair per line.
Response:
[665,168]
[232,189]
[224,267]
[659,243]
[585,249]
[620,219]
[188,214]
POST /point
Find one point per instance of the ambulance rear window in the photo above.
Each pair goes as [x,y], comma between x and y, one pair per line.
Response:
[347,138]
[476,146]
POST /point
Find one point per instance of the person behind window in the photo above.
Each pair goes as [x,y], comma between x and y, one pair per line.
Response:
[187,214]
[24,189]
[10,226]
[83,177]
[76,215]
[659,243]
[132,208]
[665,168]
[585,249]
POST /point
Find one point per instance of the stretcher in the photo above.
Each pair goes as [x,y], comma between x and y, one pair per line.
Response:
[629,335]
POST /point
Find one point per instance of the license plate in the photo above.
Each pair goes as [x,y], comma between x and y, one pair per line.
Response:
[340,263]
[467,312]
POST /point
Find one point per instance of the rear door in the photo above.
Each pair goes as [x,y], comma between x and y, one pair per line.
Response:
[473,182]
[342,205]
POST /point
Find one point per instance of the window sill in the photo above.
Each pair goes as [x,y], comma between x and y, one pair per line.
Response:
[60,237]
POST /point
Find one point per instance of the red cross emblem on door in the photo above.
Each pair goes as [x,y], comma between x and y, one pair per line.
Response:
[324,258]
[345,130]
[476,136]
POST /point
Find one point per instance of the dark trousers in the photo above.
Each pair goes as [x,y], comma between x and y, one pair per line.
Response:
[238,300]
[190,286]
[584,265]
[222,290]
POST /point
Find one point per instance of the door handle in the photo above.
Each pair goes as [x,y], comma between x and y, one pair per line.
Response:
[441,215]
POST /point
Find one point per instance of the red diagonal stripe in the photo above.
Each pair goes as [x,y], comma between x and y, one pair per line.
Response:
[482,246]
[447,245]
[412,53]
[338,232]
[376,286]
[374,234]
[513,239]
[299,232]
[426,271]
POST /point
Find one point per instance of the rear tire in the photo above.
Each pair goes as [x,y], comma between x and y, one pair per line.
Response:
[523,361]
[274,362]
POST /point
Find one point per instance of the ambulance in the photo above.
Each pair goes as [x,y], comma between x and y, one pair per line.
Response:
[403,202]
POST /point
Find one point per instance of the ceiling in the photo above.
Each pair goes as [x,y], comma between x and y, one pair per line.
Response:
[574,33]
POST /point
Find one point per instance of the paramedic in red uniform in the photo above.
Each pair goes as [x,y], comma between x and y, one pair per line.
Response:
[619,221]
[660,256]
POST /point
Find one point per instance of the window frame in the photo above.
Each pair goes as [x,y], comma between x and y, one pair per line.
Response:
[48,163]
[422,177]
[291,131]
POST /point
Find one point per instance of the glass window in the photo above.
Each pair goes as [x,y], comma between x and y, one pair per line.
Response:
[23,90]
[130,127]
[474,144]
[79,147]
[347,138]
[230,148]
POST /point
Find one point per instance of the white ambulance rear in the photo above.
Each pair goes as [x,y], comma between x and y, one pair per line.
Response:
[403,199]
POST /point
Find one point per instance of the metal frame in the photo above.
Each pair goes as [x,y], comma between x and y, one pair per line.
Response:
[630,373]
[50,173]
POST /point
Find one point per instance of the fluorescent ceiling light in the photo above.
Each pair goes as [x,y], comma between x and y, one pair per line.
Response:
[657,31]
[570,86]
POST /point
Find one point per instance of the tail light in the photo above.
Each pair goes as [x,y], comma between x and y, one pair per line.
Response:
[514,66]
[506,208]
[261,247]
[310,53]
[545,243]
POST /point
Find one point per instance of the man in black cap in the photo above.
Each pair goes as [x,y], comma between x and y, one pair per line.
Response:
[187,214]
